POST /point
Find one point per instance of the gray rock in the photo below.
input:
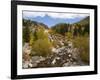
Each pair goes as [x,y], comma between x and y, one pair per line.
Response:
[37,59]
[67,64]
[26,48]
[26,64]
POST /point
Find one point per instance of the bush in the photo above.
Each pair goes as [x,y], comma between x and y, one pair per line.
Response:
[68,37]
[82,43]
[32,39]
[40,34]
[42,47]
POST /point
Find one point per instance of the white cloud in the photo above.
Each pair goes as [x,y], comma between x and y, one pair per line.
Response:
[66,15]
[33,14]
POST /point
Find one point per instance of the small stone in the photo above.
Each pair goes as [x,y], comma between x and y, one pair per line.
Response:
[69,55]
[65,64]
[25,64]
[34,65]
[54,61]
[30,65]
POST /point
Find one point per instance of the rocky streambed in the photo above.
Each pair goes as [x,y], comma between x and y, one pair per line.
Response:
[61,57]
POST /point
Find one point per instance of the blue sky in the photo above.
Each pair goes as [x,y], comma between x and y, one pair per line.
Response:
[51,18]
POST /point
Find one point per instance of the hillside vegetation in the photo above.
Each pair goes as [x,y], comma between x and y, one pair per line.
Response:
[61,45]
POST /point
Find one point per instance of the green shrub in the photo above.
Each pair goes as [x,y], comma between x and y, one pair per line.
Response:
[68,36]
[40,34]
[42,47]
[82,43]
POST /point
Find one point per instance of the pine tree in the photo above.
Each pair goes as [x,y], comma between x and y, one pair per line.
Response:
[26,34]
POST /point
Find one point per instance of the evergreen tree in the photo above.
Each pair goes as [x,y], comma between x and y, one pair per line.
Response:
[26,34]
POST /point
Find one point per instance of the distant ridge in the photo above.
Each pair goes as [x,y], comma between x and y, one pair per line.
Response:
[84,21]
